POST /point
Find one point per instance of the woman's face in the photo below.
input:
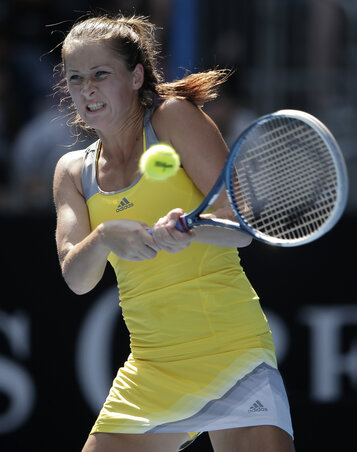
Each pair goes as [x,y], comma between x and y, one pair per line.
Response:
[102,88]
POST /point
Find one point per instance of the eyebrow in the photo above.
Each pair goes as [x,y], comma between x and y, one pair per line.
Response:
[91,68]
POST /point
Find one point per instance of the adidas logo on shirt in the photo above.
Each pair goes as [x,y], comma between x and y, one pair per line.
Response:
[257,406]
[123,205]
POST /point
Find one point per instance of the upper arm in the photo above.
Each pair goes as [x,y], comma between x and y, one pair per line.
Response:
[72,214]
[197,139]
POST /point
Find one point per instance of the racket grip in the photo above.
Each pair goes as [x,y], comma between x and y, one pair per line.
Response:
[181,225]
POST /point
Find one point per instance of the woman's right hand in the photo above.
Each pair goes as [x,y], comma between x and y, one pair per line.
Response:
[128,239]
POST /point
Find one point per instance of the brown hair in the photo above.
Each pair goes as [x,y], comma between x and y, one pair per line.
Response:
[133,39]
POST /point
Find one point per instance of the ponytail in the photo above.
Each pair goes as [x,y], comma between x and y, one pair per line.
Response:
[197,88]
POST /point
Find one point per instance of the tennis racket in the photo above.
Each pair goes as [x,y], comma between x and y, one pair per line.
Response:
[286,181]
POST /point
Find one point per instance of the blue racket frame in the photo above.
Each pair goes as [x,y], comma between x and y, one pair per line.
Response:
[192,219]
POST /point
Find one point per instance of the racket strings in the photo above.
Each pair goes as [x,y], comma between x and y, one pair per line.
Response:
[292,219]
[285,179]
[290,177]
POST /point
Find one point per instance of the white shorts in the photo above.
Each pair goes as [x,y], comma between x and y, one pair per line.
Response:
[259,398]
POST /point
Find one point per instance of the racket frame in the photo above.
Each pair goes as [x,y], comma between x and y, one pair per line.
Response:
[192,219]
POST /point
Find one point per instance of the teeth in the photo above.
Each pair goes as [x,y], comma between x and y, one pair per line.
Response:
[97,106]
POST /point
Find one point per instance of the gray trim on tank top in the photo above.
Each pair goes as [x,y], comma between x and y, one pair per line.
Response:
[89,170]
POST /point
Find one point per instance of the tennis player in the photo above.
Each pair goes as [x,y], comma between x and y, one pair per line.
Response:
[202,355]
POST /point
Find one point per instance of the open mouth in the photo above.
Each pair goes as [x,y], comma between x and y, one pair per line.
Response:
[95,106]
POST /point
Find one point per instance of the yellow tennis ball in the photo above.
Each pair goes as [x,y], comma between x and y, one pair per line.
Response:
[159,162]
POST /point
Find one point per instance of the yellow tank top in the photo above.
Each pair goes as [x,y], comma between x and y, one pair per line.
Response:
[173,300]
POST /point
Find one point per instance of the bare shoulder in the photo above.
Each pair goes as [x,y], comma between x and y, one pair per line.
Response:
[175,105]
[176,116]
[71,161]
[184,125]
[176,113]
[69,170]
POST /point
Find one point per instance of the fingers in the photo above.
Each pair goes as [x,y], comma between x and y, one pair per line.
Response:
[173,217]
[169,222]
[167,237]
[129,240]
[142,254]
[145,245]
[150,242]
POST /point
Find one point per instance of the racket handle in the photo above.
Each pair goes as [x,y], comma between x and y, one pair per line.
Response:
[181,225]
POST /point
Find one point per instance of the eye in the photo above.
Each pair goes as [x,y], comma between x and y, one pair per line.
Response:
[74,79]
[101,74]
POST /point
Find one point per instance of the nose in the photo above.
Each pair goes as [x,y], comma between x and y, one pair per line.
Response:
[88,89]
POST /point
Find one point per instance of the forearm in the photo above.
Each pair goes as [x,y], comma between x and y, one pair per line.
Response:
[220,236]
[84,264]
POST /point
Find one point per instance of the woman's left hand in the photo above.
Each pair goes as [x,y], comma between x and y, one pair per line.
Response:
[167,237]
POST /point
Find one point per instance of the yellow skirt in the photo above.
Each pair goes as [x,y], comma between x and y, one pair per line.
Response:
[171,395]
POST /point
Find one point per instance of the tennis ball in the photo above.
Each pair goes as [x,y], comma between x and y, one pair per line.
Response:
[159,162]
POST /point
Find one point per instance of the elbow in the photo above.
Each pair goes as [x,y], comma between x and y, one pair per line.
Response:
[245,241]
[78,285]
[77,288]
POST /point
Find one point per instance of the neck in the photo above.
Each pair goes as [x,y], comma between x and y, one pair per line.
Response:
[124,141]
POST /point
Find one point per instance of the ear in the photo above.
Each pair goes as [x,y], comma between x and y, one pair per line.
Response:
[138,76]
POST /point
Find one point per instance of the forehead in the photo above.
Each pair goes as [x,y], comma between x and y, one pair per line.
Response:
[79,55]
